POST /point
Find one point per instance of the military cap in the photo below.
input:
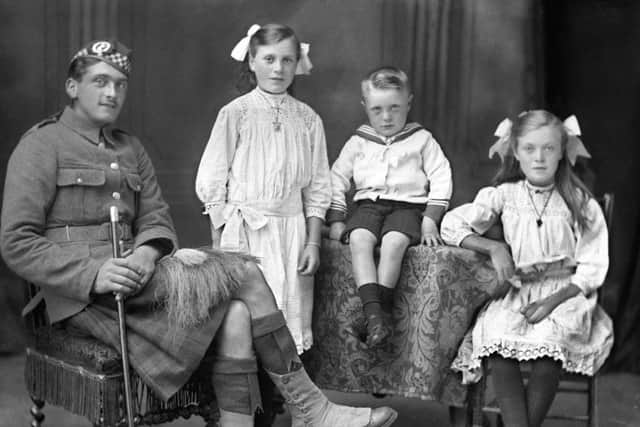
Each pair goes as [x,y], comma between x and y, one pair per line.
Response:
[112,52]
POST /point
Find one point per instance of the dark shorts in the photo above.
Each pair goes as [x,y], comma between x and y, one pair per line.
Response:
[382,216]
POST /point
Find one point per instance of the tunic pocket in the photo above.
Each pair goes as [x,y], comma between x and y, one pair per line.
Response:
[90,177]
[134,184]
[73,186]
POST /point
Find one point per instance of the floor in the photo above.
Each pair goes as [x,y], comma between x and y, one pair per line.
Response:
[619,402]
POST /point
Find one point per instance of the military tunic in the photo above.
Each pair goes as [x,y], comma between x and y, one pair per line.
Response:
[61,180]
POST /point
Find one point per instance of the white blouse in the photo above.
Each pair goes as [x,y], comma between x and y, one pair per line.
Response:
[266,149]
[557,238]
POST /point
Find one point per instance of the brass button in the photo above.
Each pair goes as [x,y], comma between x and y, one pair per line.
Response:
[116,195]
[114,166]
[101,145]
[79,180]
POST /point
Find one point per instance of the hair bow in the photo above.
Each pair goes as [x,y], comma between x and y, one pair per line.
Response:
[304,64]
[575,147]
[239,52]
[501,146]
[241,49]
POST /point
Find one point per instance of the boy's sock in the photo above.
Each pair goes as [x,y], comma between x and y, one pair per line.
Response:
[386,298]
[378,327]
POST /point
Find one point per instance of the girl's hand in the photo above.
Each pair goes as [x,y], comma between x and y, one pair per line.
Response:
[502,261]
[336,229]
[310,260]
[430,234]
[538,310]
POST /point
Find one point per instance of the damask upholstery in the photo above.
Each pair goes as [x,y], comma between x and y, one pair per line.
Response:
[438,293]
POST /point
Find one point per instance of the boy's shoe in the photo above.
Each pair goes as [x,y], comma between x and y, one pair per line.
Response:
[378,328]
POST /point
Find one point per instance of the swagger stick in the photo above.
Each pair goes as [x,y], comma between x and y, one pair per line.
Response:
[115,244]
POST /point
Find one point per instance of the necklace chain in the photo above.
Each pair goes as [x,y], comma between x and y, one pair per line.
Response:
[544,206]
[277,124]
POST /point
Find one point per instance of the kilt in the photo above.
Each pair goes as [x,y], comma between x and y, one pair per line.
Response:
[163,356]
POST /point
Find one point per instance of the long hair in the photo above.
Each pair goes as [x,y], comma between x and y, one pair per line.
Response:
[572,190]
[267,34]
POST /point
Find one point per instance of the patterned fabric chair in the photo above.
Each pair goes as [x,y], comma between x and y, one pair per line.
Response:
[84,376]
[574,384]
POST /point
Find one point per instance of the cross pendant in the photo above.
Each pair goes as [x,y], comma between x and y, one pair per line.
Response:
[276,122]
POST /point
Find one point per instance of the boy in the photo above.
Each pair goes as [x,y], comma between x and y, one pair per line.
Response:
[403,186]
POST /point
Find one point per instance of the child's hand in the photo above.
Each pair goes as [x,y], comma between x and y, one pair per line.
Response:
[309,261]
[336,229]
[538,310]
[502,261]
[430,234]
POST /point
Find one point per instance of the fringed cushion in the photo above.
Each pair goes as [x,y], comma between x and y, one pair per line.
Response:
[84,376]
[78,349]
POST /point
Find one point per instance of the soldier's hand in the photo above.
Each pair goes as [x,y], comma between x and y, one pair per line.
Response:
[118,275]
[143,260]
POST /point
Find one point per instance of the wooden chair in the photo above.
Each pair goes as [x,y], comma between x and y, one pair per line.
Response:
[569,383]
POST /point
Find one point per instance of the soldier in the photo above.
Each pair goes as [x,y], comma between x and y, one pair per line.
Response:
[62,179]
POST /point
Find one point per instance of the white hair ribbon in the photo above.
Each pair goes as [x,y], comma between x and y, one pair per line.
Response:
[239,52]
[501,146]
[575,147]
[241,49]
[304,63]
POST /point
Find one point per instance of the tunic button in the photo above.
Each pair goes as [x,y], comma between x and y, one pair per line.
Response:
[114,166]
[116,195]
[79,180]
[101,145]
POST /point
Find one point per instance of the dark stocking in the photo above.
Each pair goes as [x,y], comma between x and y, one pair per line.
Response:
[542,387]
[509,388]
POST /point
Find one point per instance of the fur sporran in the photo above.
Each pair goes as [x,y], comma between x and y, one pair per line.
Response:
[191,282]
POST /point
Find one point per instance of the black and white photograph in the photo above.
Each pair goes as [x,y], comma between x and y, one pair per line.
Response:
[327,213]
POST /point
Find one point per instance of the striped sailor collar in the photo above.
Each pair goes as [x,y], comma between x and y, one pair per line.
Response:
[369,133]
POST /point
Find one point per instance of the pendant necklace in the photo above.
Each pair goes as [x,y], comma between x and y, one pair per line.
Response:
[544,207]
[277,124]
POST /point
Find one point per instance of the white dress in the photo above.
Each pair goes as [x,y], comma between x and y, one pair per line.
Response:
[263,171]
[547,257]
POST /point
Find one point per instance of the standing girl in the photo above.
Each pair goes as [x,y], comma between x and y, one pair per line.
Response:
[264,175]
[554,254]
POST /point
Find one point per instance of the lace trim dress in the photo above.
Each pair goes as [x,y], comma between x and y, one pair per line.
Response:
[549,252]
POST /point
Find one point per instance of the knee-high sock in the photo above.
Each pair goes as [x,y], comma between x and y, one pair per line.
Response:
[542,387]
[509,388]
[235,382]
[370,296]
[274,344]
